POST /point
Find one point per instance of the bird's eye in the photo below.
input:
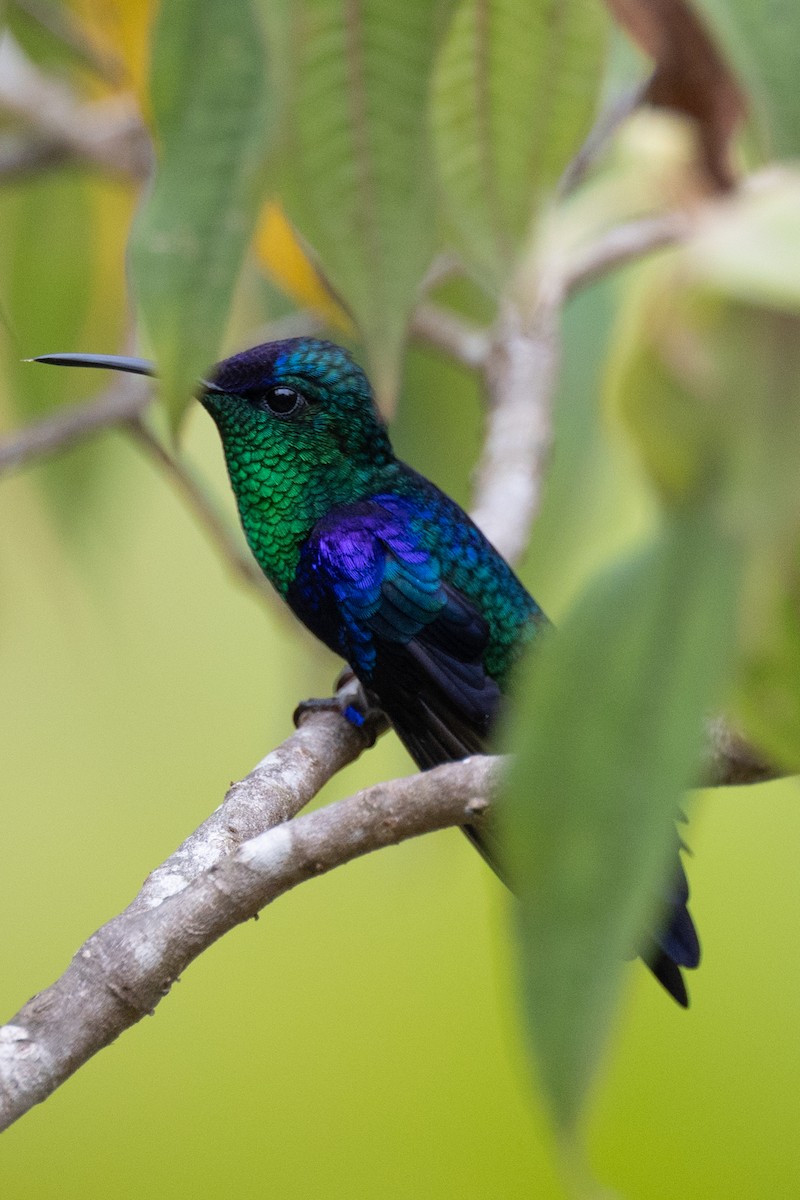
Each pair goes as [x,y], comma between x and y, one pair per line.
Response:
[282,401]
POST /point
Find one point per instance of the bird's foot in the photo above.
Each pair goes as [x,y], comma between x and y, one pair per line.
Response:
[353,702]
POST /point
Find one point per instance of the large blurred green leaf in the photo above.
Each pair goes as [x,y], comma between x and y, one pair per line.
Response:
[759,349]
[707,382]
[213,112]
[358,178]
[761,39]
[515,90]
[608,740]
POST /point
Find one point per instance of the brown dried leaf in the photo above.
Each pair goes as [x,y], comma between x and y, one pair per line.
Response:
[691,77]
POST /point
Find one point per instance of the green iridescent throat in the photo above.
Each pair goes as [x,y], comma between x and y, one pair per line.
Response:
[286,476]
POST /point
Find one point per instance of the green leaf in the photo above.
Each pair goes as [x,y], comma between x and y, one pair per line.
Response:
[53,37]
[608,740]
[515,91]
[760,39]
[211,102]
[358,181]
[760,349]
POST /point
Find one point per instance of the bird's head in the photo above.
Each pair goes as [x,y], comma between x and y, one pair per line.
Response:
[294,399]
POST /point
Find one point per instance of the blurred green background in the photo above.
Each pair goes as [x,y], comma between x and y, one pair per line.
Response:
[361,1039]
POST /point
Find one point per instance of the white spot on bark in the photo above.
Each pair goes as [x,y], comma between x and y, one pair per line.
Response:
[268,852]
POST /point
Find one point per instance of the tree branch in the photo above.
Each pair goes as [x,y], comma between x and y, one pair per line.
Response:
[252,850]
[624,244]
[123,401]
[126,968]
[521,376]
[104,133]
[600,136]
[521,373]
[444,329]
[730,761]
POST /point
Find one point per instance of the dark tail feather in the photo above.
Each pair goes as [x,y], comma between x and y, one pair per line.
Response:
[677,944]
[675,947]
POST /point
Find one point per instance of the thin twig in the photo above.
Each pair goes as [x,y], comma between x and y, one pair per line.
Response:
[730,761]
[444,267]
[199,502]
[123,401]
[600,135]
[106,133]
[623,244]
[444,329]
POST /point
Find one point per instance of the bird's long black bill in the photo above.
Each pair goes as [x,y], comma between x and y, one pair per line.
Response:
[110,362]
[105,362]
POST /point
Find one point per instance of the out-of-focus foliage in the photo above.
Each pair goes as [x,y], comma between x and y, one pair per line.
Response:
[214,112]
[120,32]
[760,40]
[691,77]
[357,176]
[503,68]
[357,171]
[348,145]
[590,832]
[710,387]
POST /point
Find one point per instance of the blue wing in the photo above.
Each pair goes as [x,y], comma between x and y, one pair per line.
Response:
[367,586]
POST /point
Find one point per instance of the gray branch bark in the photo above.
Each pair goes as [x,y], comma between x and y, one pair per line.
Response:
[125,400]
[521,375]
[246,855]
[730,761]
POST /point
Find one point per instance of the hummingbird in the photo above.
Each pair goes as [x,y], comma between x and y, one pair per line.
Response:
[382,566]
